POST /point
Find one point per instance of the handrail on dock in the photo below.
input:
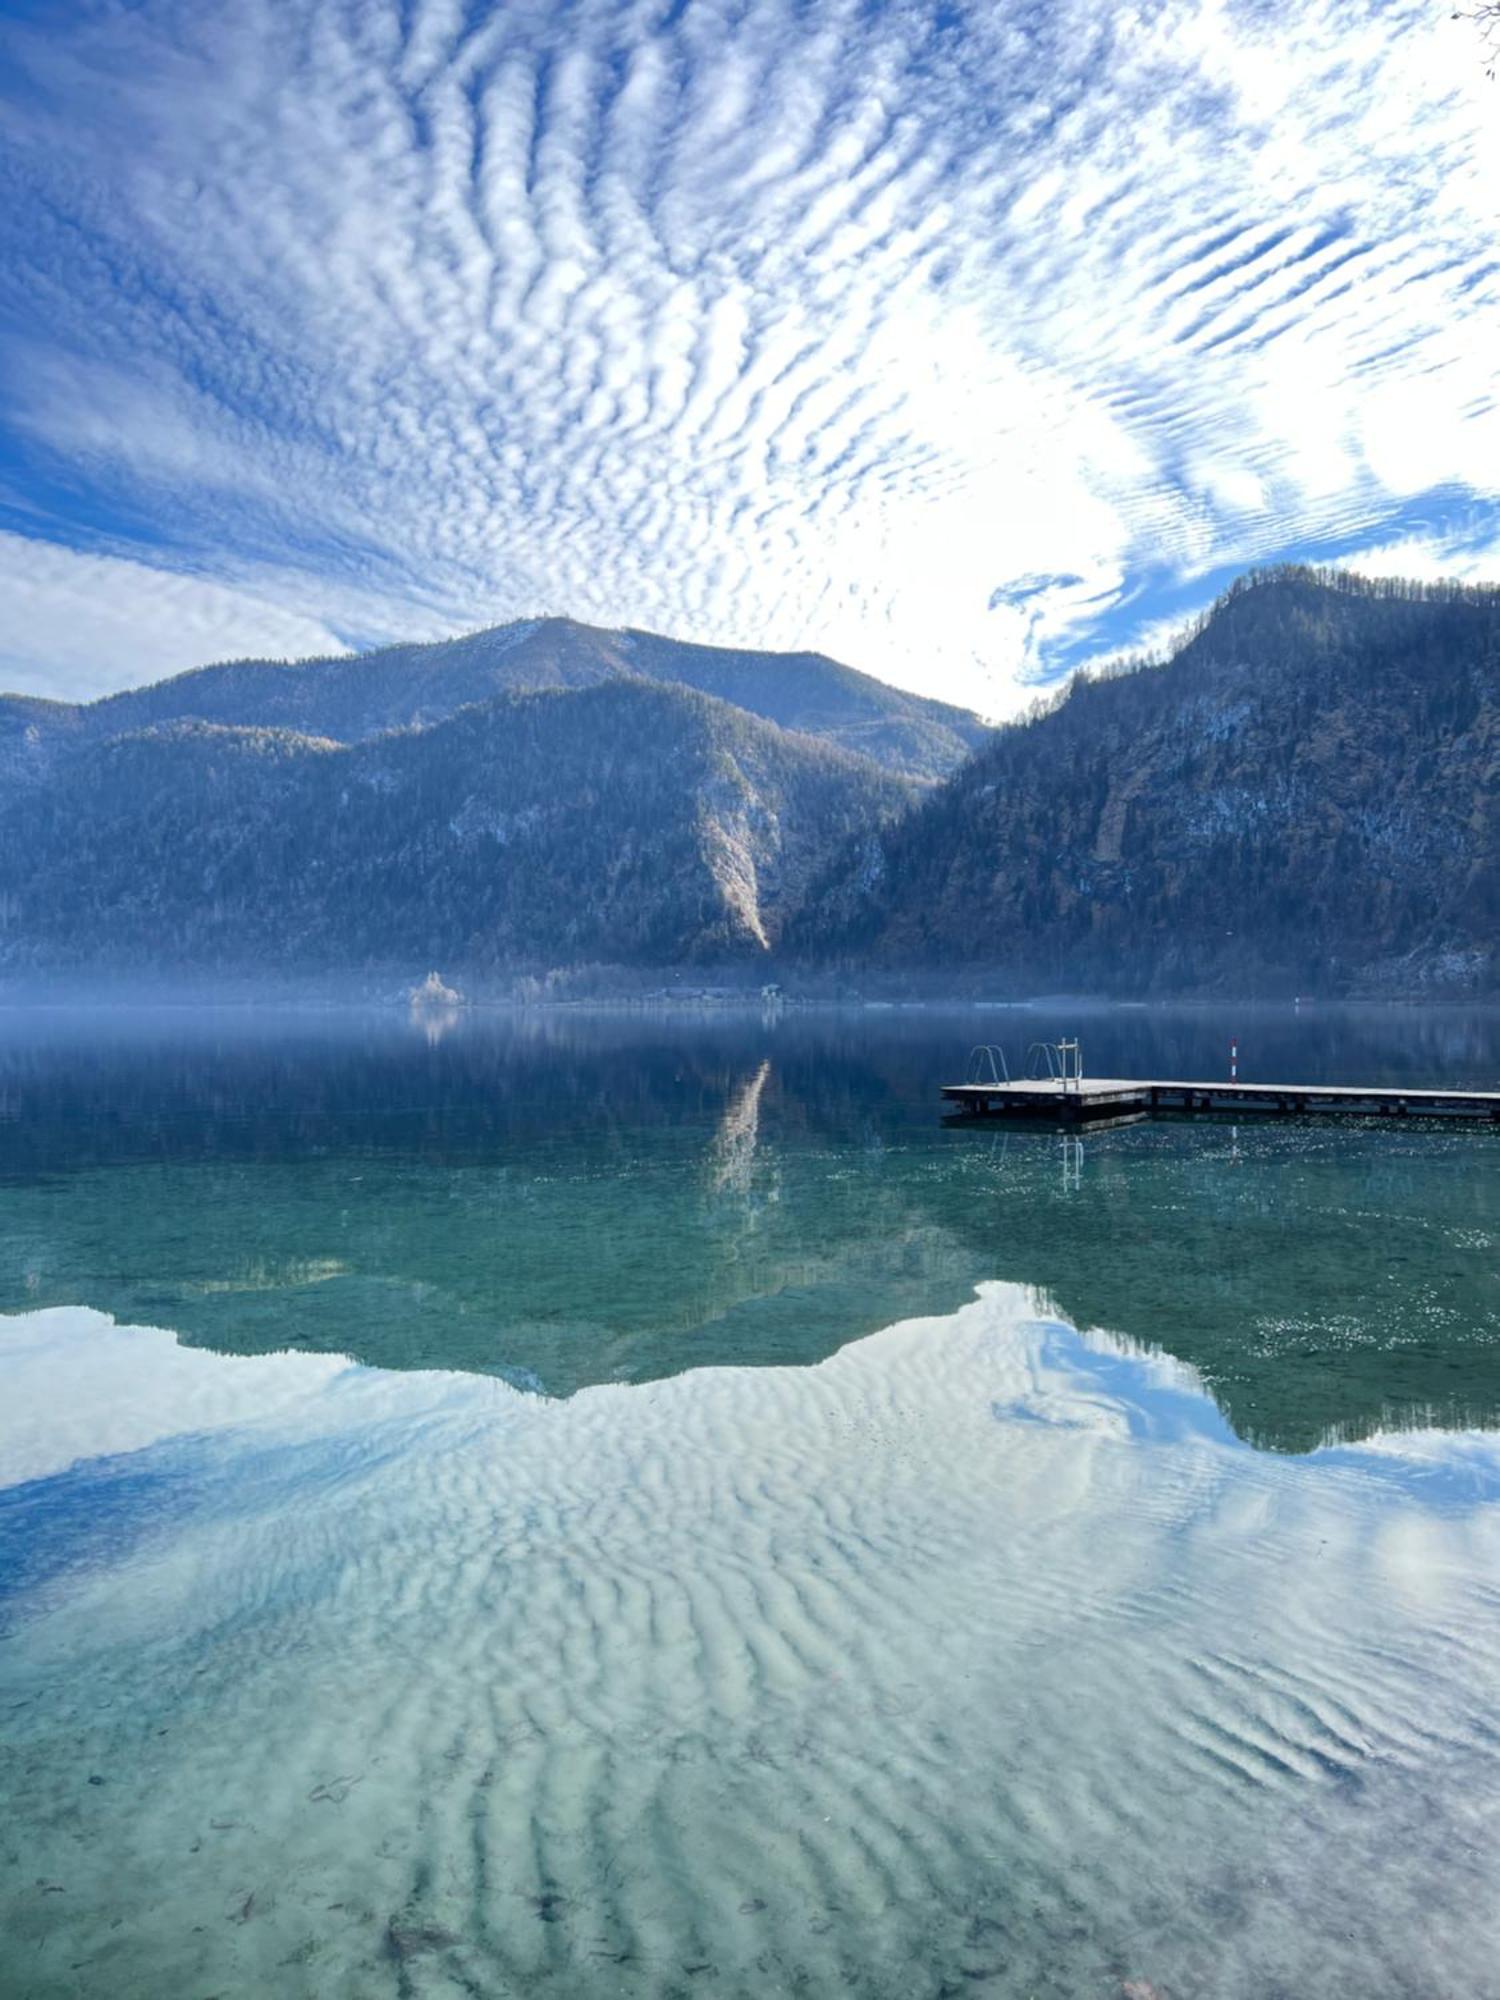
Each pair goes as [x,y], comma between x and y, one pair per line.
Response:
[987,1055]
[1062,1061]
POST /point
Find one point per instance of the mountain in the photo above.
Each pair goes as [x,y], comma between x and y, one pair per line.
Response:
[1306,797]
[350,700]
[629,822]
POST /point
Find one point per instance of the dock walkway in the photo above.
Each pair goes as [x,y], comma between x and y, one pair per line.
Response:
[1083,1101]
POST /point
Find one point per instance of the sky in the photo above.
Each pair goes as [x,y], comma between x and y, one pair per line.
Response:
[966,343]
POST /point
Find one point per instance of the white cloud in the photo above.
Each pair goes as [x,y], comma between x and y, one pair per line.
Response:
[80,625]
[1430,558]
[743,328]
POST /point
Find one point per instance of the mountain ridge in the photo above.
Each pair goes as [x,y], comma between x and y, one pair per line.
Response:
[351,697]
[1304,798]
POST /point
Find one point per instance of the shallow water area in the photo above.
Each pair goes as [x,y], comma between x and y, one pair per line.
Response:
[594,1506]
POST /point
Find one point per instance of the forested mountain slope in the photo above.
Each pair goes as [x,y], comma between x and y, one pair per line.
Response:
[625,823]
[1306,797]
[411,686]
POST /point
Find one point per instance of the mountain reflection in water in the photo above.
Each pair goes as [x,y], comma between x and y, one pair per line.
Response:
[563,1200]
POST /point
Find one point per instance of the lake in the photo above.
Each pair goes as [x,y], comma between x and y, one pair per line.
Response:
[625,1504]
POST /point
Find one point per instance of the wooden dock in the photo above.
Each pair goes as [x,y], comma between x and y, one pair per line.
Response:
[1088,1100]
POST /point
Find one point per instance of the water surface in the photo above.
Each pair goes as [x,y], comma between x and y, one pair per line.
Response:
[614,1505]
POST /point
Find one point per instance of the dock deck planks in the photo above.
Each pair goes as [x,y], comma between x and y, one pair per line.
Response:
[1116,1097]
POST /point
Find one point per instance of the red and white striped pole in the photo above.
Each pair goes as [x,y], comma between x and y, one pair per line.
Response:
[1234,1059]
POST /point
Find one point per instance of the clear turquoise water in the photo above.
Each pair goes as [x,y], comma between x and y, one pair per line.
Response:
[589,1506]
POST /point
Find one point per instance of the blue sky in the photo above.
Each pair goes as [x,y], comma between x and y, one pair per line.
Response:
[962,342]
